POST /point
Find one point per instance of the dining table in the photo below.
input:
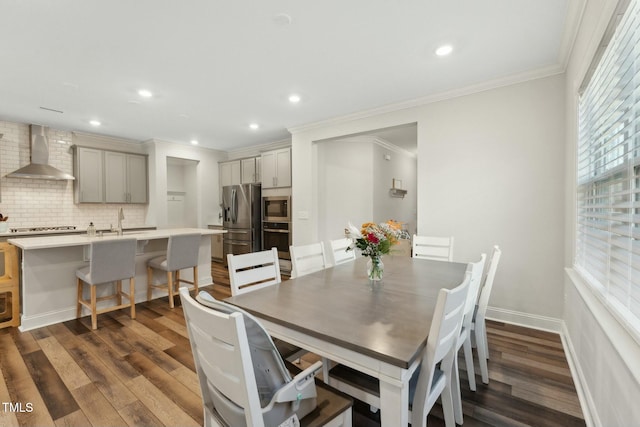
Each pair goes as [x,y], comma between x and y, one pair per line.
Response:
[378,328]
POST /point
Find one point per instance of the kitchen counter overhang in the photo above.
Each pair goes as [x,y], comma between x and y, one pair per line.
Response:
[49,264]
[47,242]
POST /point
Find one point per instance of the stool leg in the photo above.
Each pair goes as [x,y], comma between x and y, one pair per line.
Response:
[132,296]
[195,279]
[149,283]
[119,292]
[79,309]
[94,315]
[170,287]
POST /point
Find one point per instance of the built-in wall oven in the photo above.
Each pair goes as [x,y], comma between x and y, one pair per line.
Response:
[276,224]
[277,235]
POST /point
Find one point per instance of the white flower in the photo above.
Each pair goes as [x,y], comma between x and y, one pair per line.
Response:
[354,233]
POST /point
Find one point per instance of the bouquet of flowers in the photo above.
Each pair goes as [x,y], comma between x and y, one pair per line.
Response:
[375,240]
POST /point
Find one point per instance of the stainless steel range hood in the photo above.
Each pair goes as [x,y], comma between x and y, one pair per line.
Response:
[39,168]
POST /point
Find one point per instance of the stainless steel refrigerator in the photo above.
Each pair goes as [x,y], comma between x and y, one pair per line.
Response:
[242,219]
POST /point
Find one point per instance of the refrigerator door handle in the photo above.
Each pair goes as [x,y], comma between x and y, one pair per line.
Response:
[234,205]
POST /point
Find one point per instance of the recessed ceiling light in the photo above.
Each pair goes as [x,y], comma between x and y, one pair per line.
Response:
[145,93]
[194,142]
[294,98]
[282,19]
[444,50]
[95,123]
[254,126]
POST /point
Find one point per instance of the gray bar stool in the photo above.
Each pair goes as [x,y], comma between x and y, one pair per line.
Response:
[182,252]
[110,261]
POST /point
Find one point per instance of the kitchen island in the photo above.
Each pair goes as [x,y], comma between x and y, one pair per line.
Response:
[49,263]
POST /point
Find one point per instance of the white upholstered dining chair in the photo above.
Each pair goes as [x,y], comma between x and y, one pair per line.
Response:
[435,376]
[243,380]
[306,259]
[435,248]
[339,251]
[479,323]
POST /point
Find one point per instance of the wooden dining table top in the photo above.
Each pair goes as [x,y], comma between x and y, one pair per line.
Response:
[388,321]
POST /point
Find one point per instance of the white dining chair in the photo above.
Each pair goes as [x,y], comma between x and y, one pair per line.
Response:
[435,248]
[243,380]
[257,270]
[339,251]
[252,271]
[306,259]
[475,270]
[434,377]
[479,321]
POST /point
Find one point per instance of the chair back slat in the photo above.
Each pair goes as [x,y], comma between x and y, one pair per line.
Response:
[253,271]
[307,259]
[340,253]
[435,248]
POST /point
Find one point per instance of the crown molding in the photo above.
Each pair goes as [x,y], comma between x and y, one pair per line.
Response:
[430,99]
[572,22]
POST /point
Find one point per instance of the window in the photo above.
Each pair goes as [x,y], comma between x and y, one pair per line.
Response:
[608,173]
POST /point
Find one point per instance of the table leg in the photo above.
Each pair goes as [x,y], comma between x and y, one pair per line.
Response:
[394,404]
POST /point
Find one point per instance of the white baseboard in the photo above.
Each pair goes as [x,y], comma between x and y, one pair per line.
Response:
[586,402]
[533,321]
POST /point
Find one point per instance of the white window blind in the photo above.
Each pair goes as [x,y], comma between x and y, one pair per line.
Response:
[608,173]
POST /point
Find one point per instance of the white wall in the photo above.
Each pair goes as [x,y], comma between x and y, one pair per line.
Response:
[606,357]
[489,167]
[207,178]
[387,165]
[345,188]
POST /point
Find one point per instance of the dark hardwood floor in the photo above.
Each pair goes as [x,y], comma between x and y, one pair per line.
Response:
[141,372]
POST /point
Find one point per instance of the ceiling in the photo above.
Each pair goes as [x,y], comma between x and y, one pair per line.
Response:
[214,67]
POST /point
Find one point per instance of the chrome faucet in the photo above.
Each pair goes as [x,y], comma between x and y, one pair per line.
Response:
[120,218]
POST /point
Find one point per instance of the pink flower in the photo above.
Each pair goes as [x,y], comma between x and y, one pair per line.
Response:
[373,238]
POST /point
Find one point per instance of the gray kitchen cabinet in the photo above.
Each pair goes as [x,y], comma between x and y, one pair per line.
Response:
[104,176]
[276,168]
[125,177]
[216,243]
[89,172]
[230,173]
[250,168]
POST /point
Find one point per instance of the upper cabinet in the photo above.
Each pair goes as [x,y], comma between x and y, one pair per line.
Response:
[110,177]
[230,173]
[250,170]
[276,168]
[89,173]
[125,177]
[242,171]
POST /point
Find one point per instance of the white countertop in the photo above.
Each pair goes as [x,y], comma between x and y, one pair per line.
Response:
[47,242]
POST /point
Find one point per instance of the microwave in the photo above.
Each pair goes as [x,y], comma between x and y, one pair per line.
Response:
[276,208]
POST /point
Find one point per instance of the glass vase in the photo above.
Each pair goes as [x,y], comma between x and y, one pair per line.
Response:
[375,268]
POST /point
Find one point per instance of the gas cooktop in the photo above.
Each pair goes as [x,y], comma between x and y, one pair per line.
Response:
[48,228]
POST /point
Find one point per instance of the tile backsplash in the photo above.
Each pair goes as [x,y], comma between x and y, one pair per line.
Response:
[39,202]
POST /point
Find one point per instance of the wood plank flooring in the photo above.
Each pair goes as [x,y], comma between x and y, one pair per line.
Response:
[140,373]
